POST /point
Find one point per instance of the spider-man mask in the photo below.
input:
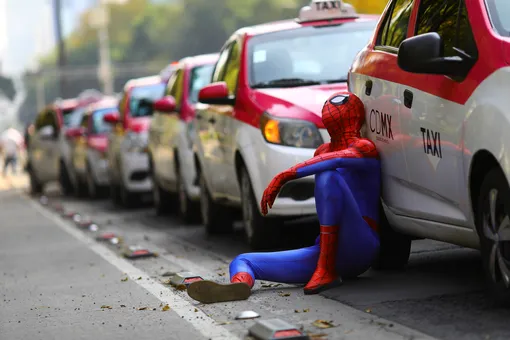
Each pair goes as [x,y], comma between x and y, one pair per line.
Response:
[343,114]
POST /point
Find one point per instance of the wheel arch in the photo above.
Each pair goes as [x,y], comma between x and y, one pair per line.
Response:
[482,163]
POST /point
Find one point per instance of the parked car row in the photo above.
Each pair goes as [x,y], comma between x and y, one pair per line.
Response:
[208,137]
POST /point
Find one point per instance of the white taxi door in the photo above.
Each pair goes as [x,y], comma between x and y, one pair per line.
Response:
[374,78]
[436,115]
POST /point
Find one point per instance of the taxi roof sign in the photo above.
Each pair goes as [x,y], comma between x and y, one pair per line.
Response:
[326,10]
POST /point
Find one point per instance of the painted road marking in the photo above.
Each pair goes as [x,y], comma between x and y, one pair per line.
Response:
[199,320]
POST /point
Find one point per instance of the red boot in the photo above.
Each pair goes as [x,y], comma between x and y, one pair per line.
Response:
[325,275]
[211,292]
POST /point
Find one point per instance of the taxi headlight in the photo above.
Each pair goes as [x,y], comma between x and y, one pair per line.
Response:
[290,132]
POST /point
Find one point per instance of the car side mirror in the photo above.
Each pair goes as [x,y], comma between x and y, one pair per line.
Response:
[424,54]
[111,117]
[47,132]
[216,94]
[165,104]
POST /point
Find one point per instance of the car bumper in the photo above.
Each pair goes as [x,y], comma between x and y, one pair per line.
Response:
[135,172]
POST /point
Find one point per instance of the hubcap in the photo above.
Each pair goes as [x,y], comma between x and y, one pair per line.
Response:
[247,206]
[204,204]
[496,228]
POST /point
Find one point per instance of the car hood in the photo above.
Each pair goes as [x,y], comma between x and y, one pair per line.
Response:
[304,102]
[98,142]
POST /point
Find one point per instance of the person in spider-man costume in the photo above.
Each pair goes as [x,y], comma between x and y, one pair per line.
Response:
[347,192]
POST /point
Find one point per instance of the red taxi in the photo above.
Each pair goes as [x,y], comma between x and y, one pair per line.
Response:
[261,114]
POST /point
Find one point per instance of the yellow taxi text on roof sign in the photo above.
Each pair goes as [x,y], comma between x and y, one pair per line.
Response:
[326,10]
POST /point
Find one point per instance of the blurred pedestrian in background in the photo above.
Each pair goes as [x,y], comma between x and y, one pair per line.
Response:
[10,145]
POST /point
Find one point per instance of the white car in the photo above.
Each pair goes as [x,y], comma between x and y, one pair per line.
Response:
[435,89]
[170,139]
[128,143]
[261,115]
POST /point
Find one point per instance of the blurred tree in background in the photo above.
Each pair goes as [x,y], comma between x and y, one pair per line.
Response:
[153,34]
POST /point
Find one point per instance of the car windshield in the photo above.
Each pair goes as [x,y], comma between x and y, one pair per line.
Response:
[500,15]
[149,93]
[307,55]
[200,76]
[98,124]
[74,118]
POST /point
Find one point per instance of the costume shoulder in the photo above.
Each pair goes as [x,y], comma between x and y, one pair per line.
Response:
[366,148]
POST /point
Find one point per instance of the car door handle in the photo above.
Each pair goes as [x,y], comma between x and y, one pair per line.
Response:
[212,120]
[368,87]
[408,99]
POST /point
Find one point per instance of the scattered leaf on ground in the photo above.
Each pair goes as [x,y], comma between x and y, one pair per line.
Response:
[106,307]
[196,310]
[284,294]
[139,278]
[368,310]
[221,274]
[296,311]
[323,324]
[306,310]
[225,323]
[142,308]
[180,287]
[317,336]
[165,308]
[124,279]
[123,305]
[277,285]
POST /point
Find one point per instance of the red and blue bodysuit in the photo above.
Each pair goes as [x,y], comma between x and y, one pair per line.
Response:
[347,192]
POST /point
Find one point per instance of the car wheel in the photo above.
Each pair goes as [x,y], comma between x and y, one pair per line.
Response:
[162,199]
[395,248]
[217,219]
[92,187]
[493,226]
[115,194]
[64,180]
[261,232]
[35,186]
[188,210]
[127,198]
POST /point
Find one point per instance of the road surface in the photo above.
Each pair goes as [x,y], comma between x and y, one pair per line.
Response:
[57,282]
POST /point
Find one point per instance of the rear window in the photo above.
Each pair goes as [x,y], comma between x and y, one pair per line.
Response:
[73,118]
[499,11]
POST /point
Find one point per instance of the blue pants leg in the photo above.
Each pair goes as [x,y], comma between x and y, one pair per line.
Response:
[357,248]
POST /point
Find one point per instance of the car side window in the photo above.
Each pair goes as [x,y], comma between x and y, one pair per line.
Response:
[175,87]
[40,120]
[232,68]
[85,121]
[219,69]
[394,29]
[449,19]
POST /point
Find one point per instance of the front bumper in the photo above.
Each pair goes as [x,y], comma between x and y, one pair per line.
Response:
[135,172]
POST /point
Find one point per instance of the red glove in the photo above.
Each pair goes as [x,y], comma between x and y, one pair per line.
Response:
[274,188]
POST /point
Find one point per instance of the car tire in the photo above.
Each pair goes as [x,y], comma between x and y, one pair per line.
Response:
[188,210]
[128,199]
[262,233]
[493,227]
[64,180]
[35,187]
[115,194]
[395,248]
[163,201]
[216,218]
[93,189]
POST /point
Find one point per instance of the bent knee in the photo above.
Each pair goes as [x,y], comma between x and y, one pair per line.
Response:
[329,184]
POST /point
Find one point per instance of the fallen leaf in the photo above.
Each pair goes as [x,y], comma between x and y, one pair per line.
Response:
[267,285]
[139,278]
[284,294]
[296,311]
[221,274]
[106,307]
[323,324]
[306,310]
[142,308]
[225,323]
[123,305]
[124,279]
[317,336]
[196,310]
[277,285]
[180,287]
[165,308]
[368,310]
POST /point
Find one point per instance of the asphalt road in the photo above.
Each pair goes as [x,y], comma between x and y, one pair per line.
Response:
[54,279]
